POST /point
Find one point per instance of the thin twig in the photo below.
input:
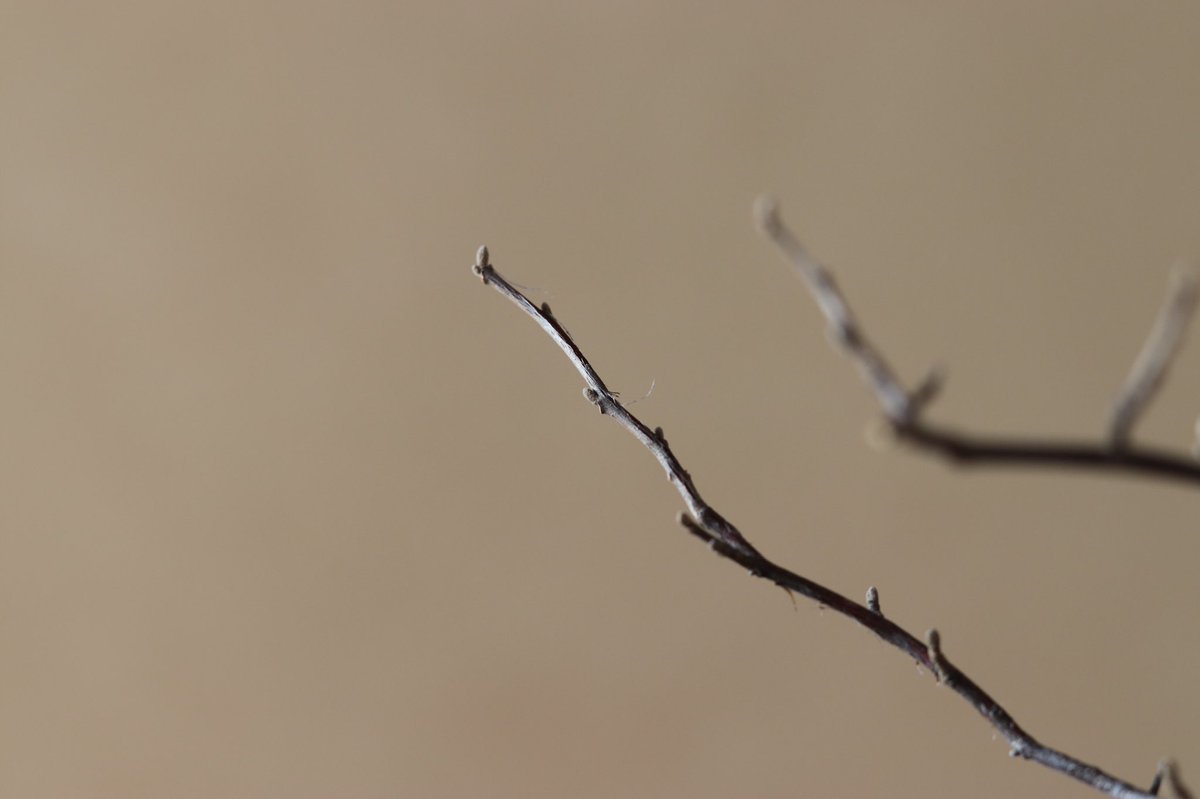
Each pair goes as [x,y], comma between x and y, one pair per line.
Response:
[599,395]
[903,408]
[724,539]
[1168,772]
[1150,368]
[843,327]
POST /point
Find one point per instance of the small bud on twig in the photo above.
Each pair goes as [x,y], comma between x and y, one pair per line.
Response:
[873,600]
[933,640]
[482,265]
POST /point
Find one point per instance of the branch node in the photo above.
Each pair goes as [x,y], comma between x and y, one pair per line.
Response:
[927,390]
[1168,772]
[1156,783]
[873,600]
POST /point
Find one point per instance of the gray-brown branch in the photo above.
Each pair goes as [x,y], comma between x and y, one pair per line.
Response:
[725,539]
[903,408]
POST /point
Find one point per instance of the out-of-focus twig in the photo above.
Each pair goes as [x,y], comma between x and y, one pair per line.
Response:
[1168,772]
[725,539]
[904,408]
[1150,368]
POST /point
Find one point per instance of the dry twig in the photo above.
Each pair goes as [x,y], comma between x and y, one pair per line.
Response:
[1150,368]
[903,408]
[725,539]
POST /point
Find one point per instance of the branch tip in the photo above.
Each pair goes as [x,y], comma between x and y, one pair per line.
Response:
[766,215]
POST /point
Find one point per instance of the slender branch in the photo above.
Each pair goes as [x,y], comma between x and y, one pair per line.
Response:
[724,539]
[1150,368]
[903,408]
[843,327]
[1169,772]
[598,394]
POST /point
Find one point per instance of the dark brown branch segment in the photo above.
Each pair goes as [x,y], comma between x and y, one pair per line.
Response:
[724,539]
[963,449]
[903,408]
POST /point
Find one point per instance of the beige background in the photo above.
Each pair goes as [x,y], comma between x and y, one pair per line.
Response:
[293,507]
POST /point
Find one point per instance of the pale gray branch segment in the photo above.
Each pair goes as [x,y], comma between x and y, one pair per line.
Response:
[843,327]
[1150,368]
[724,539]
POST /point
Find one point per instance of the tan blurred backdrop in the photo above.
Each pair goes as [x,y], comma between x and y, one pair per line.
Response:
[293,507]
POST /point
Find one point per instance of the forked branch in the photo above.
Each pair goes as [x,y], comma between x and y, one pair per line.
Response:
[903,408]
[725,539]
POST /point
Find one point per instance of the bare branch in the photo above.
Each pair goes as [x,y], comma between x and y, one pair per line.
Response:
[844,329]
[903,408]
[1150,368]
[724,539]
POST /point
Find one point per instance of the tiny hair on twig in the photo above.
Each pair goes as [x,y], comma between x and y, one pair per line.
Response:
[702,521]
[903,409]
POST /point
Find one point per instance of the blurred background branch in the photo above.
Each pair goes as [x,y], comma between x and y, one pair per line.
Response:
[903,409]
